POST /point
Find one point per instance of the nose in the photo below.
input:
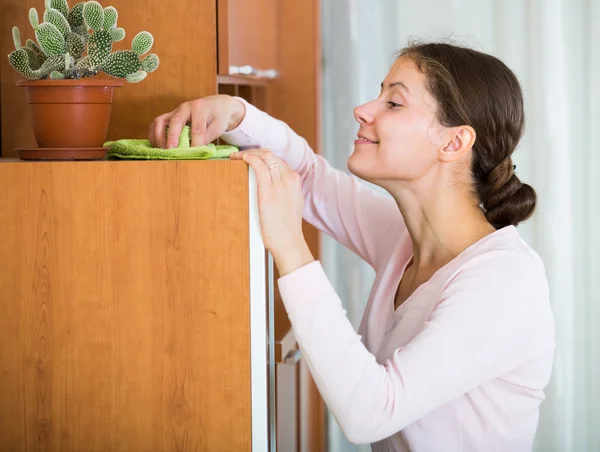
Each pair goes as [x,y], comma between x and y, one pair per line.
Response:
[364,113]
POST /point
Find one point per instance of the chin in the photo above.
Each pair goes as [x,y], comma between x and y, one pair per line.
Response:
[359,166]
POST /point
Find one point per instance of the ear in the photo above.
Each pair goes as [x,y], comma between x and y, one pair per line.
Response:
[461,141]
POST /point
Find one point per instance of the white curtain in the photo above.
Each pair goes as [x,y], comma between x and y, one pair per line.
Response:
[554,48]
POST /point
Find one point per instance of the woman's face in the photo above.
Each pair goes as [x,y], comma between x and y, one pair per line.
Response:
[399,136]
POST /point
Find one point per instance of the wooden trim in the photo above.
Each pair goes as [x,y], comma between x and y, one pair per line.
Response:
[222,37]
[296,98]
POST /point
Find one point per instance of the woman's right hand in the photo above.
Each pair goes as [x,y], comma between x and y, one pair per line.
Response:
[209,117]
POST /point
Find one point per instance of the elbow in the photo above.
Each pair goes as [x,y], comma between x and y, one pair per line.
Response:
[354,436]
[362,428]
[360,432]
[374,412]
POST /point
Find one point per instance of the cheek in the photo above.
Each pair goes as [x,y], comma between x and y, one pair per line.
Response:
[389,126]
[404,140]
[402,127]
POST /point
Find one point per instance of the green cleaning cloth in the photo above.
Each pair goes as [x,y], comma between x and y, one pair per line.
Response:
[142,149]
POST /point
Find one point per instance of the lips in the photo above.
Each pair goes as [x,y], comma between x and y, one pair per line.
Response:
[362,140]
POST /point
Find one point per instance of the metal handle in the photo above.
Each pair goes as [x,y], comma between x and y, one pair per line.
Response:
[292,357]
[250,70]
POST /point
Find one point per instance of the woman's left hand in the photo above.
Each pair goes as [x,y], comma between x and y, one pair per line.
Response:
[280,206]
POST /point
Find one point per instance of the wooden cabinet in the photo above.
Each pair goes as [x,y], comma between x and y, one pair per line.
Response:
[154,367]
[133,298]
[247,34]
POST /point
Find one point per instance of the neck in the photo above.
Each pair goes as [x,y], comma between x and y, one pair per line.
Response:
[442,220]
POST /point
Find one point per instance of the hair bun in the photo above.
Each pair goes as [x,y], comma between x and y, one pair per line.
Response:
[503,209]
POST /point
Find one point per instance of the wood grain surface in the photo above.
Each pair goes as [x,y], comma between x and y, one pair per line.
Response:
[124,291]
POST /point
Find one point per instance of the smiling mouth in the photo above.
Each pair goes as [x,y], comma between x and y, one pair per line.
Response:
[361,140]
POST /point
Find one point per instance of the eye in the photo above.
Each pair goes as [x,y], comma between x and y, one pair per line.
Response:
[393,104]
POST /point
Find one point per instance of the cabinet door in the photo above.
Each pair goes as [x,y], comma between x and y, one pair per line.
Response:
[126,290]
[247,34]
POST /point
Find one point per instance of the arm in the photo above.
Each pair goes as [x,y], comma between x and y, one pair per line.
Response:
[364,221]
[480,330]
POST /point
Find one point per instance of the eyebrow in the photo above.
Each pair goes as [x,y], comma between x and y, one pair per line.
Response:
[401,84]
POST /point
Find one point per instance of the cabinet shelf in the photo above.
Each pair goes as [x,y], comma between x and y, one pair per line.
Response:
[242,80]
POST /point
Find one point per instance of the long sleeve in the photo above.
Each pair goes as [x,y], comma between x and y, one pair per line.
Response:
[480,329]
[364,221]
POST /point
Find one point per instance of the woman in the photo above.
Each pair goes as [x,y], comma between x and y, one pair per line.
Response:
[456,343]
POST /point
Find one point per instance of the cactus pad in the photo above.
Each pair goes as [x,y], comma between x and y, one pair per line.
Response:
[99,46]
[36,56]
[121,63]
[56,18]
[32,58]
[83,63]
[16,34]
[117,34]
[19,61]
[50,39]
[52,63]
[75,45]
[62,6]
[136,77]
[34,20]
[93,15]
[110,17]
[82,32]
[76,15]
[150,63]
[142,43]
[33,45]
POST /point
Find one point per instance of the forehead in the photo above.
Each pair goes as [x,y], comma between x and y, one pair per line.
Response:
[405,70]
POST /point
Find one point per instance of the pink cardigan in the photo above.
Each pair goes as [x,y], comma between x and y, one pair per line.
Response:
[460,366]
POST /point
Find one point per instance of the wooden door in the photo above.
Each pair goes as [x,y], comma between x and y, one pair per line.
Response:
[124,292]
[296,96]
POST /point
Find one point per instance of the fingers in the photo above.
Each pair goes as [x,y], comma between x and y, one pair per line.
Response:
[213,131]
[263,178]
[151,134]
[176,122]
[157,131]
[274,171]
[200,122]
[209,118]
[266,155]
[268,158]
[282,170]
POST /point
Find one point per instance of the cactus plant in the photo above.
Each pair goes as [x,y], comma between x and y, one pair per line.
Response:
[64,36]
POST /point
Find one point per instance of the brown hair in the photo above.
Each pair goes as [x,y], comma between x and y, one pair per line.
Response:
[476,89]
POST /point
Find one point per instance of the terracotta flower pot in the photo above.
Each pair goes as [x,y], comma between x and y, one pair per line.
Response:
[70,114]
